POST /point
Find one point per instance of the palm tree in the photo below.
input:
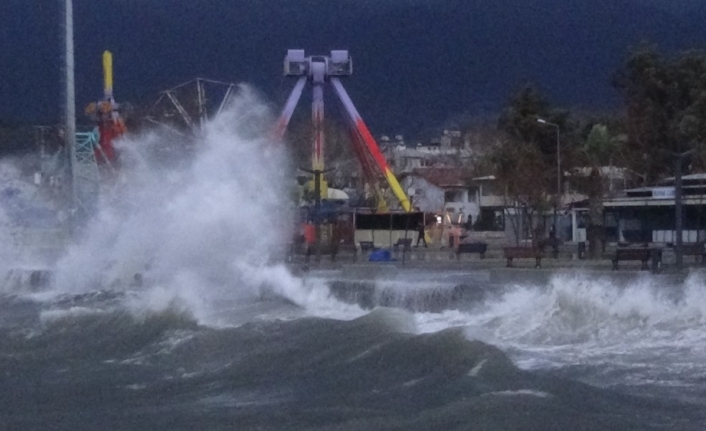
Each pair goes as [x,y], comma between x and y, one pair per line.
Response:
[598,151]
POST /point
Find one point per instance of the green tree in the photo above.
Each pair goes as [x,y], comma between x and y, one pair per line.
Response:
[520,171]
[526,162]
[599,151]
[665,102]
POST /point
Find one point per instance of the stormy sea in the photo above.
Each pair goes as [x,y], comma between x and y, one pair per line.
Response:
[172,310]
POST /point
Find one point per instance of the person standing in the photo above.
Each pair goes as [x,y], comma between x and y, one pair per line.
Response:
[309,239]
[421,235]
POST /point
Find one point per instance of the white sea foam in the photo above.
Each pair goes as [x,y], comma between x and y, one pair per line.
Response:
[519,393]
[13,192]
[48,316]
[311,293]
[476,369]
[583,309]
[640,331]
[199,230]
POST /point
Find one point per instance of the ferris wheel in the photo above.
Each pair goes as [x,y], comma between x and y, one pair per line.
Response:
[187,107]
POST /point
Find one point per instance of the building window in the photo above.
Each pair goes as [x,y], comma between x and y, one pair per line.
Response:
[453,196]
[472,195]
[491,189]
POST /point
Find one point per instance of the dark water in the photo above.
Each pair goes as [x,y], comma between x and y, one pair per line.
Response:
[90,362]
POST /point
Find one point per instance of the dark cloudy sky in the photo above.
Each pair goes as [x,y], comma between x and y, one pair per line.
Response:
[418,62]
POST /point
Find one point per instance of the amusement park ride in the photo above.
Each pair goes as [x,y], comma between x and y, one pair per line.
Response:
[95,161]
[320,70]
[190,105]
[107,117]
[94,153]
[185,108]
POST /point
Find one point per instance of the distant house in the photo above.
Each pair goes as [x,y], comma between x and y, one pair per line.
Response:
[492,203]
[503,219]
[447,151]
[497,217]
[444,192]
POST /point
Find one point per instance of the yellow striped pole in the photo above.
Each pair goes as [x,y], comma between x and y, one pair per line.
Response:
[108,74]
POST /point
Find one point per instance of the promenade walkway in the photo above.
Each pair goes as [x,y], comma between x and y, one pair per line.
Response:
[445,258]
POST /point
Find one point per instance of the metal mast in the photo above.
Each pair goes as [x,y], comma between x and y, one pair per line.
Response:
[70,108]
[318,74]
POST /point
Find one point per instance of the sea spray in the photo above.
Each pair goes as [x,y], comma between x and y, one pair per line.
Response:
[583,308]
[310,293]
[8,250]
[609,333]
[30,226]
[188,227]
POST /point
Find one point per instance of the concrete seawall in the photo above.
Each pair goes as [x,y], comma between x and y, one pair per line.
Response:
[544,276]
[439,287]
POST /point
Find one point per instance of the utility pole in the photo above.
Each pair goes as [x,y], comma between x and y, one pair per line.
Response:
[70,110]
[678,210]
[557,202]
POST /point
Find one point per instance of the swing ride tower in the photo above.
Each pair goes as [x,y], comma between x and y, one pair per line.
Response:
[320,71]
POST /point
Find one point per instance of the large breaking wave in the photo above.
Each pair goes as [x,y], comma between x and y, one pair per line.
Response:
[214,331]
[163,371]
[646,333]
[201,229]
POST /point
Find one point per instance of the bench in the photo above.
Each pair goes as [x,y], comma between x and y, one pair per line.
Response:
[405,243]
[642,254]
[473,247]
[511,253]
[697,249]
[366,245]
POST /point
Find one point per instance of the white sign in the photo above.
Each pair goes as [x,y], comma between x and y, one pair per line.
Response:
[663,192]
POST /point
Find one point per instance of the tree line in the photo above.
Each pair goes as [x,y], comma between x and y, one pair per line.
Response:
[662,113]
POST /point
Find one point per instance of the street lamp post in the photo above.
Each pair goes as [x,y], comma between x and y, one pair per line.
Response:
[558,171]
[678,206]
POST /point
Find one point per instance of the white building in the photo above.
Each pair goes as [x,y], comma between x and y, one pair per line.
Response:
[444,192]
[448,151]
